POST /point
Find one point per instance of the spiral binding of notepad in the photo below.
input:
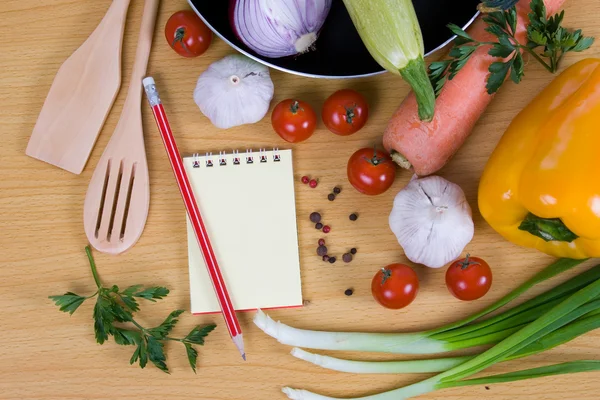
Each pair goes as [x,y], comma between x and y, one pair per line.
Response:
[235,158]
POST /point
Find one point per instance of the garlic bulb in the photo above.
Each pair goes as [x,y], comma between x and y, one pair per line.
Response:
[432,221]
[234,91]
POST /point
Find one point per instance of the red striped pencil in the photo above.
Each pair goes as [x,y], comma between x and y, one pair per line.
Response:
[194,214]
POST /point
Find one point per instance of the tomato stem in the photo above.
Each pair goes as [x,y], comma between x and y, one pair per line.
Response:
[465,264]
[374,160]
[295,107]
[350,114]
[179,36]
[386,275]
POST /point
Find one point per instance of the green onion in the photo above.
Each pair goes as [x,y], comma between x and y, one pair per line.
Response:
[577,314]
[390,31]
[587,322]
[455,336]
[380,367]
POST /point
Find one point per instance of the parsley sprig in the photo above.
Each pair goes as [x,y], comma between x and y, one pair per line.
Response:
[548,41]
[114,309]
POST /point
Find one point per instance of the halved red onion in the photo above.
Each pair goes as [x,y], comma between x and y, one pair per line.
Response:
[278,28]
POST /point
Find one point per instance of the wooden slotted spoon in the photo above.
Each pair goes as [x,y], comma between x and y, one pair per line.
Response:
[118,197]
[81,96]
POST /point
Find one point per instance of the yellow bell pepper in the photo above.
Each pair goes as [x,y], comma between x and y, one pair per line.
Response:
[541,185]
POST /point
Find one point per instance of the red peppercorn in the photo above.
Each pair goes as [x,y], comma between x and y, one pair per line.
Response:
[305,179]
[325,257]
[321,242]
[312,183]
[326,229]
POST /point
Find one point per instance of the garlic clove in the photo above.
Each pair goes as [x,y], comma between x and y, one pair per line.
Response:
[234,91]
[432,221]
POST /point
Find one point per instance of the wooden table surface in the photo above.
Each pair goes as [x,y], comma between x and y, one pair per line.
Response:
[47,354]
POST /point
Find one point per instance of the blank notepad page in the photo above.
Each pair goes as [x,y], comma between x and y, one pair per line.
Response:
[249,212]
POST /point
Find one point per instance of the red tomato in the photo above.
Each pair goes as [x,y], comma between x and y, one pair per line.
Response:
[345,112]
[187,34]
[294,120]
[395,286]
[469,278]
[371,171]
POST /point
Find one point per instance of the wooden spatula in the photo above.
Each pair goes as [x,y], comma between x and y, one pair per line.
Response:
[81,96]
[117,200]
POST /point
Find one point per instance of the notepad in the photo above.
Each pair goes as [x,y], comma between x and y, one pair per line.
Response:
[248,206]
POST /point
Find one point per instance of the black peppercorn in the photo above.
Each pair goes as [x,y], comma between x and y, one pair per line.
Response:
[331,260]
[348,292]
[337,190]
[347,257]
[319,225]
[315,217]
[353,217]
[353,250]
[321,251]
[331,197]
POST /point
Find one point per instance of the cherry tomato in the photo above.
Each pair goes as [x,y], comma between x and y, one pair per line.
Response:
[345,112]
[371,171]
[187,34]
[395,286]
[469,278]
[294,120]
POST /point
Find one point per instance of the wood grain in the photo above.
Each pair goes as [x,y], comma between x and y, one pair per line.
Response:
[49,355]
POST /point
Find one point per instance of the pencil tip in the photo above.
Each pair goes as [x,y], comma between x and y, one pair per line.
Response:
[244,356]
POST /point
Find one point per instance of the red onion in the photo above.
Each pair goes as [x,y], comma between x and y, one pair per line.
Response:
[278,28]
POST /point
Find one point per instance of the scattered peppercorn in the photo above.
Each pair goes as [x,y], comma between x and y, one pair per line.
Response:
[353,250]
[322,251]
[305,179]
[313,183]
[321,242]
[315,217]
[325,257]
[318,225]
[326,229]
[348,292]
[331,260]
[331,197]
[353,217]
[337,190]
[487,388]
[347,257]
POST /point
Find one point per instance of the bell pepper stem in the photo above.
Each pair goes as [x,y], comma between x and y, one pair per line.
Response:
[549,229]
[415,73]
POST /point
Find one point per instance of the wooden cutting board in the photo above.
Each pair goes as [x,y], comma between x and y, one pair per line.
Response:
[51,355]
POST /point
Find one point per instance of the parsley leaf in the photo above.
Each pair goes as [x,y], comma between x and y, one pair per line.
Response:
[437,75]
[192,355]
[552,37]
[197,335]
[152,293]
[103,319]
[117,307]
[68,302]
[156,353]
[547,42]
[498,72]
[163,330]
[496,5]
[125,337]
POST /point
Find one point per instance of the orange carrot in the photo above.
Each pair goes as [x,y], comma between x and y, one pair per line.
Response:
[427,146]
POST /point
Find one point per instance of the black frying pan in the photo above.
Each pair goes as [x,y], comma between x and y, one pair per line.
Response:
[339,51]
